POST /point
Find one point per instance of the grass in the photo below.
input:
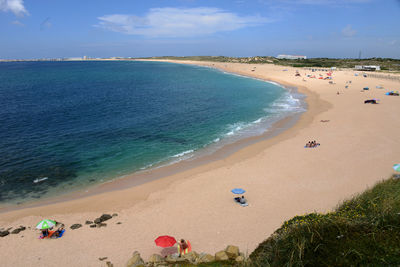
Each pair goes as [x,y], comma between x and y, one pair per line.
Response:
[363,231]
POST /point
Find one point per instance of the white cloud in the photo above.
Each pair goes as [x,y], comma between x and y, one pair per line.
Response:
[348,31]
[179,22]
[15,6]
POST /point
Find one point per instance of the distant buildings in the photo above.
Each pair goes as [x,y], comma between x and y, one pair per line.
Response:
[367,68]
[291,57]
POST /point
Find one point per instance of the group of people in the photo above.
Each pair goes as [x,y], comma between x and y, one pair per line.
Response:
[312,144]
[46,233]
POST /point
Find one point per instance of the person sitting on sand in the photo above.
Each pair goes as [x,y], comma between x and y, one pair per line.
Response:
[242,200]
[57,233]
[184,247]
[45,233]
[237,199]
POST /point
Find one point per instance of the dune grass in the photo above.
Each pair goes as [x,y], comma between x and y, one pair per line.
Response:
[363,231]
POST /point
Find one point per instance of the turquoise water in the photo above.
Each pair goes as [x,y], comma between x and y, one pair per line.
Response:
[73,124]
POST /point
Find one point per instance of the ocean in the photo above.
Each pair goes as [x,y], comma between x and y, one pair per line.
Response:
[69,125]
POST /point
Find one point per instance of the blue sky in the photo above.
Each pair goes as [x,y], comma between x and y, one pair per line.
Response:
[136,28]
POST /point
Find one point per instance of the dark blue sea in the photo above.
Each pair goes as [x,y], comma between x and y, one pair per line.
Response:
[75,124]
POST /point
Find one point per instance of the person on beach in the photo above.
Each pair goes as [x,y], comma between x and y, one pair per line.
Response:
[242,200]
[57,233]
[184,247]
[45,233]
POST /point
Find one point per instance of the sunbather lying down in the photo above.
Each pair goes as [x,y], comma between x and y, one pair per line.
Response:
[312,144]
[242,201]
[370,101]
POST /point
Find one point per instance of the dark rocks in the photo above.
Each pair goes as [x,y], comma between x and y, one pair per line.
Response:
[88,222]
[98,225]
[119,222]
[103,218]
[103,258]
[19,229]
[109,264]
[76,226]
[4,233]
[115,215]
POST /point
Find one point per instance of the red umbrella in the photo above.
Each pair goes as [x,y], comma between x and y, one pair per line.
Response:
[165,241]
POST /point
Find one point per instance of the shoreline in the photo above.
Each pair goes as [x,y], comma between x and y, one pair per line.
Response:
[282,179]
[170,168]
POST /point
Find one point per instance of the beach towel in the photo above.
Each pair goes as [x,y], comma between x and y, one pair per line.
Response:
[312,146]
[50,234]
[241,204]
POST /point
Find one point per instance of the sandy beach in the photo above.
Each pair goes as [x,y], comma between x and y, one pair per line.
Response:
[359,145]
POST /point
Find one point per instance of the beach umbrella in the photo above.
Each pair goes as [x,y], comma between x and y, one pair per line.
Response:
[45,224]
[396,167]
[165,241]
[238,191]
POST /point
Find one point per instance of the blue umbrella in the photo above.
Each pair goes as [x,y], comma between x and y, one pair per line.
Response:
[238,191]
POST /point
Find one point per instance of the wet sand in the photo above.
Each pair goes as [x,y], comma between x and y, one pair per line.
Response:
[359,145]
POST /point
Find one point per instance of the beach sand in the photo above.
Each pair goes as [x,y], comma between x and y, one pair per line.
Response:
[359,145]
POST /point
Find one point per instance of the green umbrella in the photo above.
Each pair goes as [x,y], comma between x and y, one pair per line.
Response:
[396,167]
[45,224]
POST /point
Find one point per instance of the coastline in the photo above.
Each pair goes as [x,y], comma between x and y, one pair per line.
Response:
[282,179]
[166,169]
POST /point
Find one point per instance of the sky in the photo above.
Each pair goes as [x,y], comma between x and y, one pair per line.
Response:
[240,28]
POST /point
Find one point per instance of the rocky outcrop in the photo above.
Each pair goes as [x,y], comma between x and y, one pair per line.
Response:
[239,259]
[4,233]
[88,222]
[155,259]
[221,256]
[174,259]
[19,229]
[135,261]
[76,226]
[205,258]
[102,218]
[232,252]
[191,257]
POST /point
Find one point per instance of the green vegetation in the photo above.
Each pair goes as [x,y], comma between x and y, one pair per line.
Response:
[385,63]
[363,231]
